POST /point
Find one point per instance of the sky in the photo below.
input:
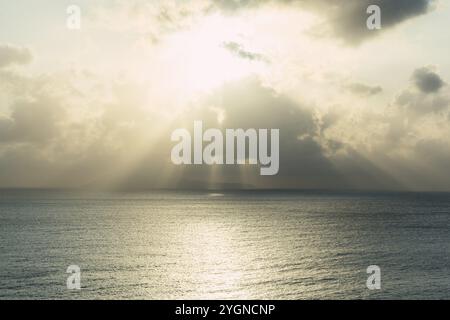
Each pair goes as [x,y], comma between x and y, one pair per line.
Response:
[95,107]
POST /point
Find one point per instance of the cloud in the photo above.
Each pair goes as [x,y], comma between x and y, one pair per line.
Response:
[363,90]
[237,49]
[427,94]
[31,121]
[10,55]
[153,19]
[427,80]
[420,104]
[43,146]
[347,22]
[61,131]
[307,158]
[247,104]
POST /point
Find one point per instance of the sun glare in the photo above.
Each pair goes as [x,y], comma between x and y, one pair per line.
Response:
[203,60]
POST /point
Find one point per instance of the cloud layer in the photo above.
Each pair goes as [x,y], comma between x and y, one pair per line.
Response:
[88,117]
[11,55]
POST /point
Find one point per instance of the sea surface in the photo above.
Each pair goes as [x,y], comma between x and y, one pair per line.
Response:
[229,245]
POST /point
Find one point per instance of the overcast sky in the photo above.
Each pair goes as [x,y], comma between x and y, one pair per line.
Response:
[95,107]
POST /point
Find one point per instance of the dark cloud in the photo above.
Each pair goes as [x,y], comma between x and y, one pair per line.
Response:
[363,90]
[247,104]
[347,21]
[427,80]
[427,96]
[307,159]
[10,55]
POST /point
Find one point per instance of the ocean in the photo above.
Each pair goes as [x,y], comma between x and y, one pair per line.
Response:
[224,245]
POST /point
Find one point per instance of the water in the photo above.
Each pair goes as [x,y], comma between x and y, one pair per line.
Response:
[242,245]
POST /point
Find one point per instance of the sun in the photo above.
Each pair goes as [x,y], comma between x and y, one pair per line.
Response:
[202,59]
